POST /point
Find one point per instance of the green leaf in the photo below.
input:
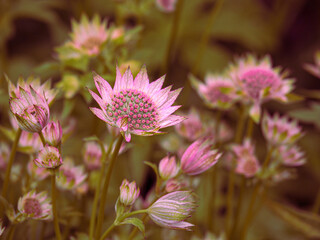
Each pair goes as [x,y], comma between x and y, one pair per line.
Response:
[306,222]
[135,222]
[120,208]
[153,166]
[9,133]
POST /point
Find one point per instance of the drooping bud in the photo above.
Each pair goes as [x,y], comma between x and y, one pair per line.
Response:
[53,133]
[168,167]
[129,192]
[48,157]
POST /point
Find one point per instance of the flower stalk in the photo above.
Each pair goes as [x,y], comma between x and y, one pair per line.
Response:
[54,206]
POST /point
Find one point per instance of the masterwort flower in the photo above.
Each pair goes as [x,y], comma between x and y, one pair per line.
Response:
[168,167]
[258,82]
[217,91]
[172,209]
[129,192]
[136,106]
[279,130]
[291,156]
[92,155]
[199,157]
[35,206]
[30,109]
[48,157]
[247,163]
[53,133]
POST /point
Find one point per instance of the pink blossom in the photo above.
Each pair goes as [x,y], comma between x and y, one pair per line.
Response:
[129,192]
[53,133]
[92,156]
[166,5]
[49,157]
[168,167]
[291,155]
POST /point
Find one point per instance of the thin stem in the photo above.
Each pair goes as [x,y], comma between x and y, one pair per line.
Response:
[316,206]
[239,206]
[54,206]
[240,125]
[217,128]
[229,200]
[43,140]
[106,185]
[10,163]
[43,230]
[98,188]
[11,231]
[250,128]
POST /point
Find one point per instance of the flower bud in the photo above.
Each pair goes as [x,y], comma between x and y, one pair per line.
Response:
[168,167]
[129,192]
[92,156]
[48,157]
[53,133]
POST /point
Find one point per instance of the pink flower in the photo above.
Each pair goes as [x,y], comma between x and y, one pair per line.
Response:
[30,109]
[168,167]
[92,156]
[199,157]
[136,106]
[314,69]
[53,133]
[291,156]
[217,91]
[4,155]
[280,131]
[166,5]
[258,82]
[172,209]
[129,192]
[35,206]
[49,157]
[247,163]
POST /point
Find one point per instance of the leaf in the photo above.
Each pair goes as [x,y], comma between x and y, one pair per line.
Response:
[135,222]
[153,166]
[120,208]
[9,133]
[311,115]
[303,221]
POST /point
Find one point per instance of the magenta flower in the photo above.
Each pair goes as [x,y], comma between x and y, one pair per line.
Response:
[168,167]
[129,192]
[247,163]
[172,209]
[35,206]
[92,156]
[279,130]
[49,157]
[166,5]
[199,157]
[314,69]
[30,110]
[258,82]
[136,106]
[291,156]
[53,133]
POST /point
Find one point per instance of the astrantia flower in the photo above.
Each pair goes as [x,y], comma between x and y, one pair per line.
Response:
[92,155]
[168,167]
[199,157]
[258,82]
[247,163]
[136,106]
[166,5]
[53,133]
[88,37]
[70,177]
[48,157]
[129,192]
[279,130]
[291,156]
[30,109]
[314,69]
[35,206]
[4,155]
[172,209]
[217,91]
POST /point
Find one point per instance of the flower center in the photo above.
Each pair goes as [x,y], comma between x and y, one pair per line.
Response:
[92,43]
[135,108]
[216,93]
[256,80]
[32,206]
[250,167]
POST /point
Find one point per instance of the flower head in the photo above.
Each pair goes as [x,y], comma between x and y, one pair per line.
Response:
[88,37]
[136,106]
[166,5]
[129,192]
[168,167]
[92,155]
[4,155]
[172,209]
[217,91]
[35,206]
[53,133]
[199,157]
[30,109]
[279,130]
[291,156]
[48,157]
[247,163]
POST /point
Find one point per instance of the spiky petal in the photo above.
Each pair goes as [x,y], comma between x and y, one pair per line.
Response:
[291,156]
[53,133]
[49,157]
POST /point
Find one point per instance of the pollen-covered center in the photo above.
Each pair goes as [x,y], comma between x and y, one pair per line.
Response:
[133,108]
[256,80]
[32,206]
[51,159]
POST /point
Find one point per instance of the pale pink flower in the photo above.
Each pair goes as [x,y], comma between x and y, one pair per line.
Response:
[168,167]
[136,106]
[35,206]
[49,157]
[166,5]
[217,91]
[4,156]
[314,69]
[291,155]
[38,173]
[30,109]
[172,209]
[129,192]
[53,133]
[92,156]
[258,82]
[247,163]
[199,157]
[88,37]
[280,130]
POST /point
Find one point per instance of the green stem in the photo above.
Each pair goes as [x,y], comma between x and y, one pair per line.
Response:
[98,188]
[43,140]
[217,128]
[10,163]
[54,206]
[250,128]
[240,125]
[238,207]
[121,218]
[11,232]
[43,230]
[316,206]
[229,200]
[106,185]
